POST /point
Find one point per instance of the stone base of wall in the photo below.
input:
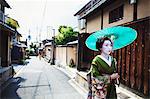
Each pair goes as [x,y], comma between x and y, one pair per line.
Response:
[6,73]
[81,79]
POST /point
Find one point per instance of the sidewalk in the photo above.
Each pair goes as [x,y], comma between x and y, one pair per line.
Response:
[71,72]
[122,92]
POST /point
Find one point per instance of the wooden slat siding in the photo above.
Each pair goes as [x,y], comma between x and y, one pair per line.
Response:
[119,63]
[85,55]
[123,65]
[114,54]
[80,55]
[142,79]
[117,58]
[147,58]
[136,65]
[132,67]
[136,61]
[139,57]
[127,65]
[80,50]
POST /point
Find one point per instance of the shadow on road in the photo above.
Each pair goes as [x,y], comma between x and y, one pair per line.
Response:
[21,64]
[10,92]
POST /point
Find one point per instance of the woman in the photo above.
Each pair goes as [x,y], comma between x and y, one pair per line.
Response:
[102,75]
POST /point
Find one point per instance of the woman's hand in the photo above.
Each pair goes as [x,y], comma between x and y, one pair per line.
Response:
[89,97]
[114,76]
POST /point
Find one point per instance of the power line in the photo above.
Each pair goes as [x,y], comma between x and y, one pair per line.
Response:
[43,16]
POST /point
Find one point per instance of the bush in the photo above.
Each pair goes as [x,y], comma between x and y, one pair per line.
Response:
[71,63]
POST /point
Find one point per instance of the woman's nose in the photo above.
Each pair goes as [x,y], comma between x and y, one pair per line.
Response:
[110,47]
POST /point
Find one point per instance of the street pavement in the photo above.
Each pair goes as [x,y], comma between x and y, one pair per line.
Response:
[39,80]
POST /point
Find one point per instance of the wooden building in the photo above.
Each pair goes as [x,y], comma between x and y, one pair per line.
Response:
[133,60]
[17,49]
[5,46]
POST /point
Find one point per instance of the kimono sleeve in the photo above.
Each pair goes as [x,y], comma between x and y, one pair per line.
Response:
[96,72]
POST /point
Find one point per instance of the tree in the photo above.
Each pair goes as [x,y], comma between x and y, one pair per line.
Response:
[66,34]
[33,49]
[12,22]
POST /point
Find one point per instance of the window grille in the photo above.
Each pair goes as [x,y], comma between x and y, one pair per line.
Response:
[116,14]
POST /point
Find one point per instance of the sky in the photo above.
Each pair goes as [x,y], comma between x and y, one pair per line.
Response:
[39,18]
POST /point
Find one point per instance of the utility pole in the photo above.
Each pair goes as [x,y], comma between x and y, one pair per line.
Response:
[47,34]
[53,48]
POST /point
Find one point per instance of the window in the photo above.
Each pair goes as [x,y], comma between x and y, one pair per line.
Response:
[132,1]
[116,14]
[82,23]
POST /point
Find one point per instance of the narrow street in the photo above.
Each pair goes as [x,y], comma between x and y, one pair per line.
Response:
[39,80]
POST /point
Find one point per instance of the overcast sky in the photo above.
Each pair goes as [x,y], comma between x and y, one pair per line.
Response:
[40,16]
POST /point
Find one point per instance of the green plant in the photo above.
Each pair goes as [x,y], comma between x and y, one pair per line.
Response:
[71,63]
[66,34]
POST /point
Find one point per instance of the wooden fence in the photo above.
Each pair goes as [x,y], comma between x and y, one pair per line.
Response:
[134,60]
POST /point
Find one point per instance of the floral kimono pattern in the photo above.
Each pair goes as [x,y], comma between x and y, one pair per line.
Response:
[102,87]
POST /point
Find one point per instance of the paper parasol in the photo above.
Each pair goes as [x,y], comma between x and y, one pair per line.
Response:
[121,37]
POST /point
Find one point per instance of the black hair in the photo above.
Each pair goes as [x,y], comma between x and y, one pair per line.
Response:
[100,41]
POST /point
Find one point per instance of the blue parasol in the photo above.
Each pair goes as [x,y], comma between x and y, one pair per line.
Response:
[121,37]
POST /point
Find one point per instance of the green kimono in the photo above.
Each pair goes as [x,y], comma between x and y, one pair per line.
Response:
[102,71]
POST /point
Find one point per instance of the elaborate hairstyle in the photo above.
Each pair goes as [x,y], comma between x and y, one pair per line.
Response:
[100,42]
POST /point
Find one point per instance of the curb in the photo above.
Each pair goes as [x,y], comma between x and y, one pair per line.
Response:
[131,95]
[79,89]
[18,71]
[65,71]
[73,83]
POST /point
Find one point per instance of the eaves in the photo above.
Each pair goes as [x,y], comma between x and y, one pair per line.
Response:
[4,3]
[92,9]
[7,28]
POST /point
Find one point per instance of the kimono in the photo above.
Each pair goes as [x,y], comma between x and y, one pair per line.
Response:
[101,85]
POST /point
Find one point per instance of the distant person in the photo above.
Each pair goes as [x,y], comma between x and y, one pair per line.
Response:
[40,54]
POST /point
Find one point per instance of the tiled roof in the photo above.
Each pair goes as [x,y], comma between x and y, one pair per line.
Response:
[4,3]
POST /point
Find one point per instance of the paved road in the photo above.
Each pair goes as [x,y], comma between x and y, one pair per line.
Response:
[38,80]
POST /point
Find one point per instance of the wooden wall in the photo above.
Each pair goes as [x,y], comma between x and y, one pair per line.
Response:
[134,60]
[85,55]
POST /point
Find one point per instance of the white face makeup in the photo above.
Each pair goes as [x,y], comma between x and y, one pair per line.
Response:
[107,47]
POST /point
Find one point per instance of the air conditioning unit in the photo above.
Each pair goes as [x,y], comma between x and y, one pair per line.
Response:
[132,1]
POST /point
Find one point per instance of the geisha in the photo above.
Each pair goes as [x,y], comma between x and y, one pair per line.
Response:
[102,75]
